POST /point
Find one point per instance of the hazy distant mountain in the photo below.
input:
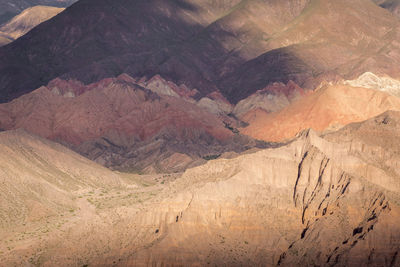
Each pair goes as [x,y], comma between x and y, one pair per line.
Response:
[26,20]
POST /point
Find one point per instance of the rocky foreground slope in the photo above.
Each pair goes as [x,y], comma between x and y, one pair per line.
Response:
[38,177]
[330,200]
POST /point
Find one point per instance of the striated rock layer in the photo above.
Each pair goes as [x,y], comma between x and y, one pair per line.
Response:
[121,124]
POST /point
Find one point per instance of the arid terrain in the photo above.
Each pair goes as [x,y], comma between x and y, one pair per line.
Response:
[339,191]
[200,133]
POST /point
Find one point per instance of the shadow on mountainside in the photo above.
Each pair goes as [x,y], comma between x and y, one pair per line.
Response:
[91,41]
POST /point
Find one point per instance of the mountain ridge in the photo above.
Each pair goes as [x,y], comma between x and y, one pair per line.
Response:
[27,20]
[9,9]
[184,49]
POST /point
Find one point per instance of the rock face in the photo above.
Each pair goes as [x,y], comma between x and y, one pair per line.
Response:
[312,202]
[235,47]
[328,108]
[330,200]
[123,125]
[27,20]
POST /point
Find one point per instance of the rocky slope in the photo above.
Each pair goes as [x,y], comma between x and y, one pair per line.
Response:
[330,107]
[336,202]
[330,200]
[38,177]
[123,123]
[27,20]
[42,184]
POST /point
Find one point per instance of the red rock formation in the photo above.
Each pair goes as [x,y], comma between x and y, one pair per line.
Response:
[120,117]
[105,105]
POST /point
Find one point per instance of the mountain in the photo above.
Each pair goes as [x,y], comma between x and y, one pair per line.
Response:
[201,133]
[330,107]
[208,45]
[9,9]
[106,37]
[322,200]
[27,20]
[128,124]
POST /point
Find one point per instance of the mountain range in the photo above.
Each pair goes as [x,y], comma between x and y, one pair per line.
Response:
[199,133]
[201,46]
[125,124]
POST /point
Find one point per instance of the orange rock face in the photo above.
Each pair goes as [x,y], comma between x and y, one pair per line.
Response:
[329,107]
